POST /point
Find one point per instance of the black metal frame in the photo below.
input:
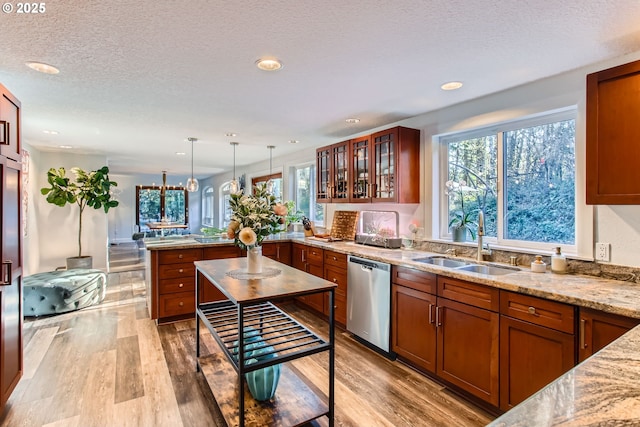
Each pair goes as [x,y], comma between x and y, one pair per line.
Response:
[287,337]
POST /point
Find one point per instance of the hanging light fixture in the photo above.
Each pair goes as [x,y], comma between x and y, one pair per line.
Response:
[234,187]
[270,181]
[192,183]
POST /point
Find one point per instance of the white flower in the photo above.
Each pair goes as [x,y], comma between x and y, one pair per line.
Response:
[248,236]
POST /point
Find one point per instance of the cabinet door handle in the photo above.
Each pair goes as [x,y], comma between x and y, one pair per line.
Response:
[431,313]
[438,319]
[6,273]
[304,259]
[277,252]
[583,326]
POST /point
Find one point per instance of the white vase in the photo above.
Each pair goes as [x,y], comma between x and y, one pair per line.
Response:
[254,260]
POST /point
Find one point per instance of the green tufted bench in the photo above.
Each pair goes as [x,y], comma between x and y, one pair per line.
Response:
[57,292]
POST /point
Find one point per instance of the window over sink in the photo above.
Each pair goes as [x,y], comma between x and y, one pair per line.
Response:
[521,174]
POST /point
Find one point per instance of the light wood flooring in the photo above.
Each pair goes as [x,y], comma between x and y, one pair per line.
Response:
[110,365]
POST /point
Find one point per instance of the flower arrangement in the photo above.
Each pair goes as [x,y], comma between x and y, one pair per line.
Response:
[460,219]
[254,217]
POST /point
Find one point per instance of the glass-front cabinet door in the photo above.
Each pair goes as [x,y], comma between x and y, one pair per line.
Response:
[323,174]
[340,163]
[361,166]
[384,162]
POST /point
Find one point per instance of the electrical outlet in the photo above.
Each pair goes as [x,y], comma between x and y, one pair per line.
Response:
[602,251]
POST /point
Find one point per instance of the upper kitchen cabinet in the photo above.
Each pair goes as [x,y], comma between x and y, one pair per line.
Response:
[9,125]
[382,167]
[332,169]
[613,131]
[396,165]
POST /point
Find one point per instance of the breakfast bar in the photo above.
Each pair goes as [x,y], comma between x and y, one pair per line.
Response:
[249,308]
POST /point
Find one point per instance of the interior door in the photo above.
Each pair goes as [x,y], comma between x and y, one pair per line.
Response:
[11,283]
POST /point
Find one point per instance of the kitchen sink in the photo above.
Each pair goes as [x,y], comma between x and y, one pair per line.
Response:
[487,269]
[442,261]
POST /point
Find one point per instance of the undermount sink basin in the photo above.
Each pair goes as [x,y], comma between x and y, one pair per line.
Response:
[487,269]
[443,262]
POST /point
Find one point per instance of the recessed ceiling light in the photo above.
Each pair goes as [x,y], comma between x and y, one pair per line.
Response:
[352,121]
[269,64]
[66,147]
[293,141]
[230,134]
[42,67]
[180,153]
[451,86]
[50,132]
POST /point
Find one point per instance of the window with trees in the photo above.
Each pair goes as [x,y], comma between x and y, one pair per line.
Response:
[521,175]
[305,184]
[154,204]
[207,207]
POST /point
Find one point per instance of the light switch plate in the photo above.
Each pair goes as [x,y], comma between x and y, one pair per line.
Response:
[602,252]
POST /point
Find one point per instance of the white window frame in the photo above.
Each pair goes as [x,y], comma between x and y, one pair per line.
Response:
[224,190]
[208,199]
[441,199]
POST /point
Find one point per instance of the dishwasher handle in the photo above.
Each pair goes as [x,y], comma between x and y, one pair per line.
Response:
[369,264]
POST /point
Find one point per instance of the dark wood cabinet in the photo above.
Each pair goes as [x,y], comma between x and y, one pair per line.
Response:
[208,292]
[467,343]
[537,345]
[613,131]
[333,173]
[382,167]
[598,329]
[335,271]
[11,353]
[396,165]
[310,260]
[277,251]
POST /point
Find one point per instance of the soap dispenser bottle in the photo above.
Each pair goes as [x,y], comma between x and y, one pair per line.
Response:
[558,262]
[538,266]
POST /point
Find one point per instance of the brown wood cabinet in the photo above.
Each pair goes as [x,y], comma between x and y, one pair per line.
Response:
[468,337]
[11,353]
[413,303]
[613,131]
[537,345]
[277,251]
[598,329]
[381,167]
[335,270]
[310,260]
[171,288]
[333,173]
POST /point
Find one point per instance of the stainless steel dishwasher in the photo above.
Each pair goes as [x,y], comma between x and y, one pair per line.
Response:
[369,301]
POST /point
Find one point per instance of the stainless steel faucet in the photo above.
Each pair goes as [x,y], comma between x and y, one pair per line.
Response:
[481,250]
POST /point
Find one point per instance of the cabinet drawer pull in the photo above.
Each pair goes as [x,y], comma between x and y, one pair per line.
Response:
[335,259]
[335,280]
[532,310]
[583,326]
[438,319]
[180,256]
[181,270]
[431,313]
[181,285]
[181,304]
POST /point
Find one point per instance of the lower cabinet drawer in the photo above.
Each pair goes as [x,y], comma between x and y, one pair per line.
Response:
[179,284]
[176,304]
[542,312]
[176,270]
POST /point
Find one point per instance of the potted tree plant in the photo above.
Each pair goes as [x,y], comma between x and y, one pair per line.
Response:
[88,189]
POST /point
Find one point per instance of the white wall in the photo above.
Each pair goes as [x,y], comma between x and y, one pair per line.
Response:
[52,231]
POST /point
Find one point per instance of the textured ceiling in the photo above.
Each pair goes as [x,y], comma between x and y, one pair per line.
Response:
[137,78]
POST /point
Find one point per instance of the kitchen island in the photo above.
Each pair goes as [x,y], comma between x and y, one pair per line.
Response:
[280,338]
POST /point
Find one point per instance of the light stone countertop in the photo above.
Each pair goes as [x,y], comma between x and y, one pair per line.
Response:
[602,390]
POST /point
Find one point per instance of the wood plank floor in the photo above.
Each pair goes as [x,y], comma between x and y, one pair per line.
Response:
[110,365]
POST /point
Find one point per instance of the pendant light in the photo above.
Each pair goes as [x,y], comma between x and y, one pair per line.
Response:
[270,181]
[192,183]
[233,185]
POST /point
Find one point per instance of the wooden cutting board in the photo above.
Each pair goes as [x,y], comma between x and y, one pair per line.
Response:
[344,225]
